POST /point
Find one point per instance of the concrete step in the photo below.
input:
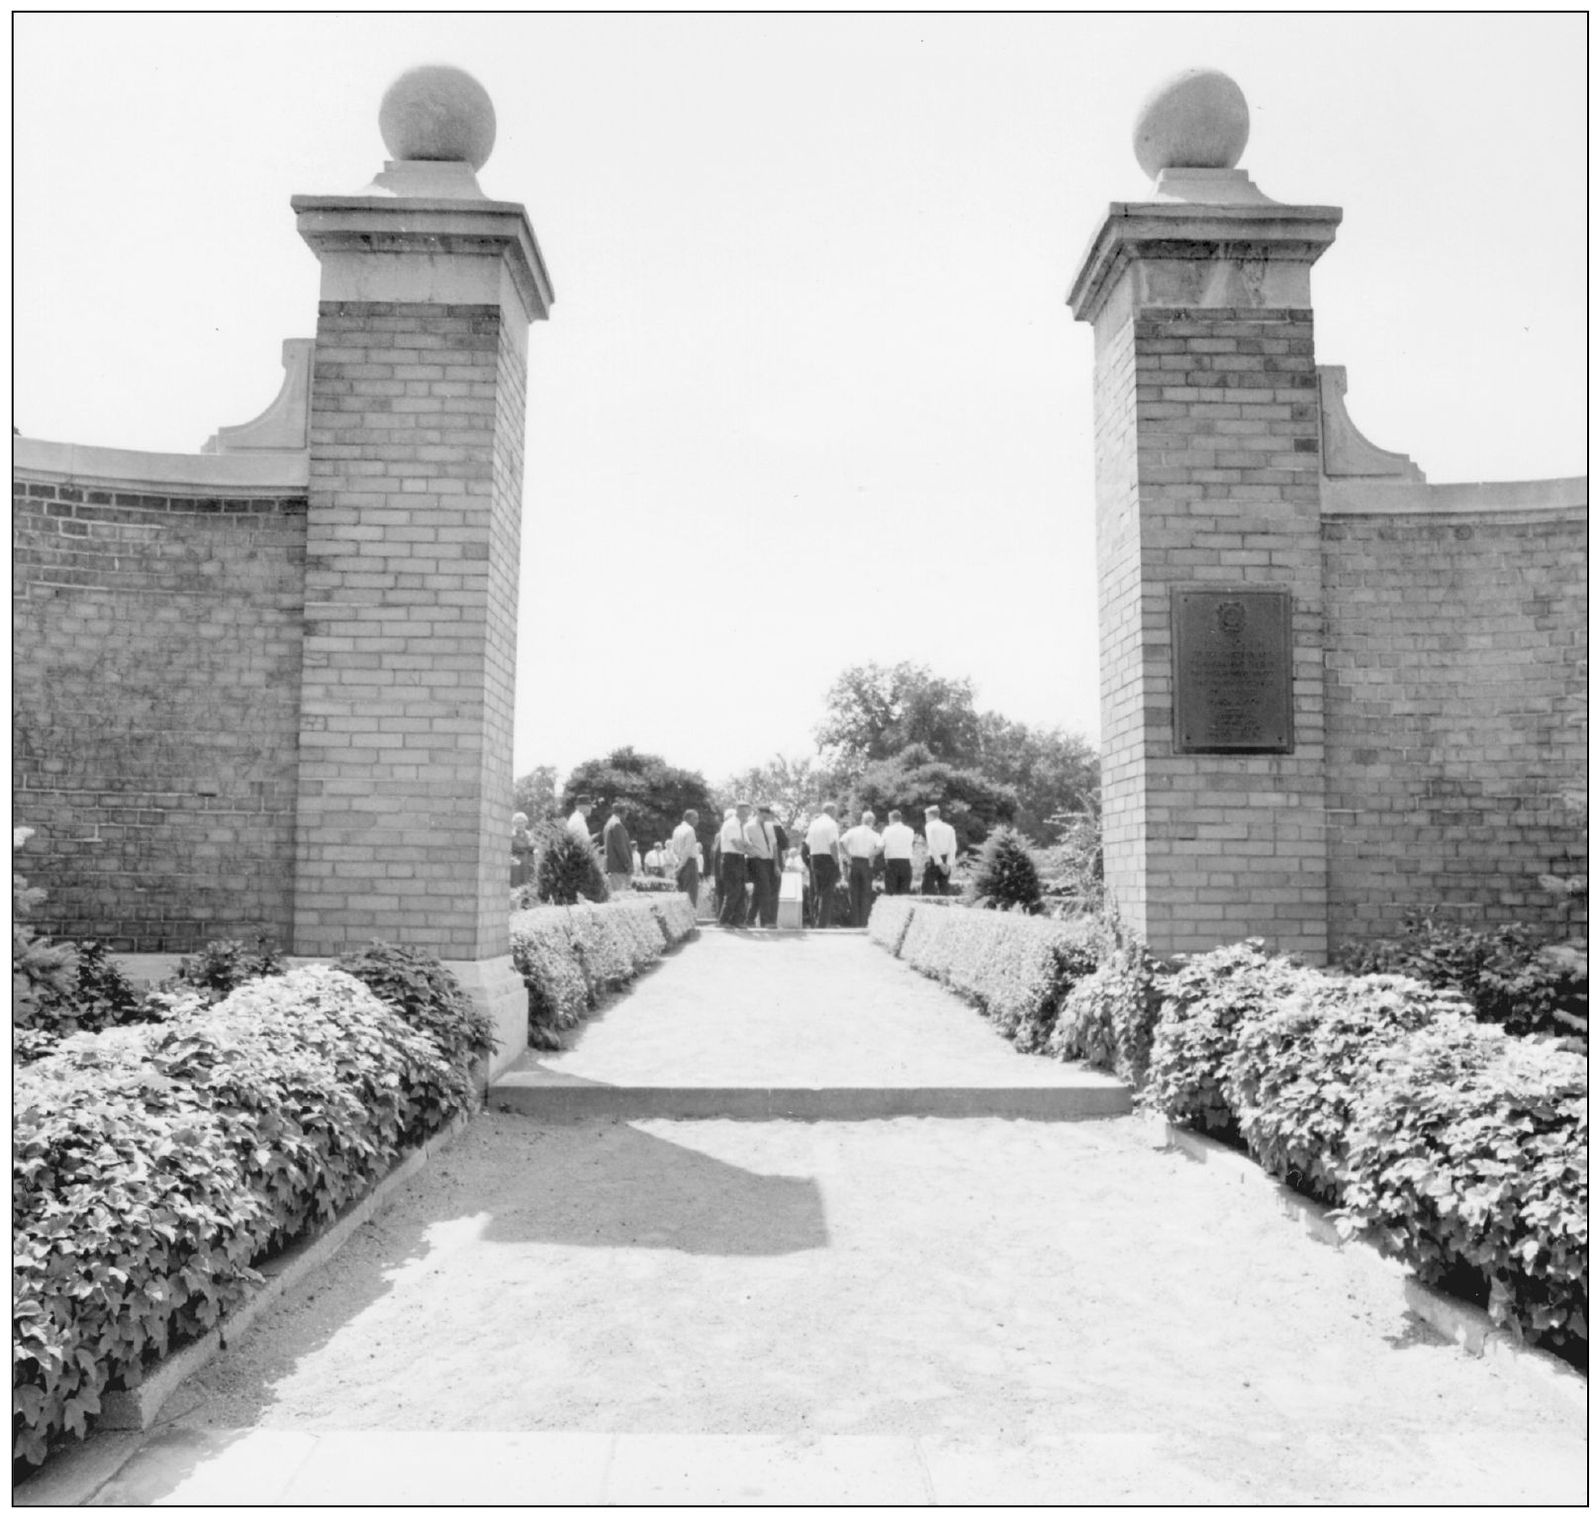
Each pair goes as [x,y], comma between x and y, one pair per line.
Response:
[562,1100]
[806,1026]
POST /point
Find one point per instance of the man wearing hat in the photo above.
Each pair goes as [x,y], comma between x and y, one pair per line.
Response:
[576,823]
[764,854]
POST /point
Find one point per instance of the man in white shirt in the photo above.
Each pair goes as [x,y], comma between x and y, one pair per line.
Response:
[760,836]
[684,854]
[576,823]
[942,849]
[861,844]
[897,848]
[734,867]
[824,860]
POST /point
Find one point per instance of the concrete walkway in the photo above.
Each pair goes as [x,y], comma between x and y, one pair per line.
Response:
[911,1310]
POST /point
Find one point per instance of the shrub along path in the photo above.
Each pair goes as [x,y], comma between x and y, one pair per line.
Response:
[912,1309]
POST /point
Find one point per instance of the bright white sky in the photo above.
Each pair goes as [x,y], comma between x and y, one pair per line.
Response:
[810,394]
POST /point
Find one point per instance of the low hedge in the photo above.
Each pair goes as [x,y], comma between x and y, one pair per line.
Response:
[570,957]
[154,1163]
[1017,969]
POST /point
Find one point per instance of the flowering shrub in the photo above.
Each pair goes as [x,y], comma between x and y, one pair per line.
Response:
[1470,1148]
[154,1163]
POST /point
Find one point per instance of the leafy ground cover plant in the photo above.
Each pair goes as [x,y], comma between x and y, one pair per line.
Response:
[1109,1015]
[1297,1074]
[428,996]
[1509,974]
[1205,1003]
[1468,1147]
[155,1162]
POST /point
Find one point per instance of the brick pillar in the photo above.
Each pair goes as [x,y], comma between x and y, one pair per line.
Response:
[417,421]
[1208,494]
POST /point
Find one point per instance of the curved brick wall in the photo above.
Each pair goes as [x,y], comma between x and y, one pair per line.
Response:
[1455,708]
[156,657]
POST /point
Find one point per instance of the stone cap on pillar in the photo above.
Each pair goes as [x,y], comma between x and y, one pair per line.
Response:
[422,230]
[1207,236]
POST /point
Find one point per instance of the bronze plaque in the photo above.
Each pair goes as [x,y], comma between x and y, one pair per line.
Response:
[1232,672]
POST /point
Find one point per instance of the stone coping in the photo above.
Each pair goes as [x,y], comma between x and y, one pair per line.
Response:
[233,474]
[1371,496]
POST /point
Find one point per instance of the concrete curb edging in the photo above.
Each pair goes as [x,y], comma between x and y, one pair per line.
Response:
[75,1474]
[1467,1326]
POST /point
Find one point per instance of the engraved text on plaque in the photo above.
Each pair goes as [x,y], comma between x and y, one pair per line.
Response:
[1232,671]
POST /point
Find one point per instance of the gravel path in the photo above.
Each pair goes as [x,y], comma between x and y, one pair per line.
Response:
[1059,1301]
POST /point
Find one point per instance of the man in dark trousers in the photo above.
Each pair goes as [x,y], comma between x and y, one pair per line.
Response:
[617,851]
[734,867]
[764,864]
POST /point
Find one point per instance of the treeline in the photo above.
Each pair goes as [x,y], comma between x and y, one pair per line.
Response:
[890,736]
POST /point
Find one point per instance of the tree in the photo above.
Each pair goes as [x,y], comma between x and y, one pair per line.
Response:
[874,712]
[537,795]
[914,779]
[1051,772]
[652,795]
[796,788]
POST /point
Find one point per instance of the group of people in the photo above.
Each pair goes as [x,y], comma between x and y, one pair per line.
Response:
[755,850]
[755,866]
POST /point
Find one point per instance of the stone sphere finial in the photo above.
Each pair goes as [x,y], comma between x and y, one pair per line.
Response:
[1195,120]
[437,113]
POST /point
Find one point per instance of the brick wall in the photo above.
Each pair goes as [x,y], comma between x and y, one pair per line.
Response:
[156,656]
[1224,490]
[409,643]
[1456,694]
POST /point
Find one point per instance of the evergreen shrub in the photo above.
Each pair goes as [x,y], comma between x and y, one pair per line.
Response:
[1005,873]
[569,868]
